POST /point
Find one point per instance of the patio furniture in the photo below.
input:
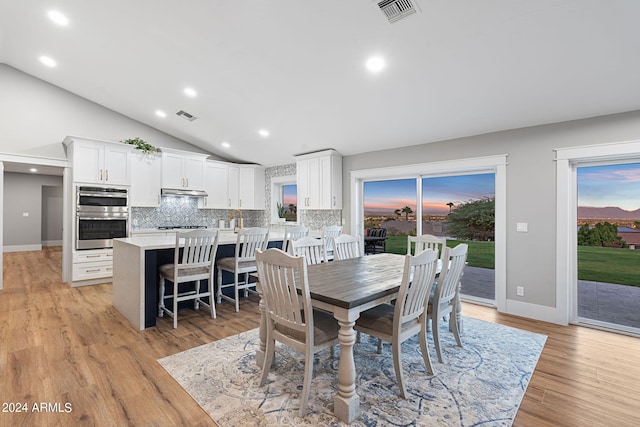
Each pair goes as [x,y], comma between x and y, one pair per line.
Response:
[375,241]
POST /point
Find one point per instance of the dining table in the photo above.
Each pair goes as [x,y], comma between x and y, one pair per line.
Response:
[346,288]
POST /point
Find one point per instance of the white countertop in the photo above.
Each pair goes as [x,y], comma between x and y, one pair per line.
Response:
[226,237]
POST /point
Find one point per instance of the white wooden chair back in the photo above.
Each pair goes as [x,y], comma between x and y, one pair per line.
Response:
[200,247]
[281,275]
[346,246]
[426,241]
[328,233]
[249,240]
[313,250]
[452,268]
[292,234]
[417,280]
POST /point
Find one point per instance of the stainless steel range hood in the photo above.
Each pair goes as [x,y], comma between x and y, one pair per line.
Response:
[183,192]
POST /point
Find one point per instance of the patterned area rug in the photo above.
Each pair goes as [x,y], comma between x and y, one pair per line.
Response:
[479,384]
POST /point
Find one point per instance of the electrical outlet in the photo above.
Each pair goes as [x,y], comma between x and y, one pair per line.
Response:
[25,213]
[520,291]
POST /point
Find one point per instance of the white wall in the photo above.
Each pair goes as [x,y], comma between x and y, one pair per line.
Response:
[531,189]
[36,116]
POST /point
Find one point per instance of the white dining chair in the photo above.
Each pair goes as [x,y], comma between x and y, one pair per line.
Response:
[292,234]
[312,249]
[192,263]
[445,298]
[346,246]
[397,323]
[290,318]
[244,262]
[328,233]
[425,241]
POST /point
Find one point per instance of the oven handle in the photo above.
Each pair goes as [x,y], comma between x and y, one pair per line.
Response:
[108,195]
[98,218]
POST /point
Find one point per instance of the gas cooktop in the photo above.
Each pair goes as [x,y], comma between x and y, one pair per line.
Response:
[181,227]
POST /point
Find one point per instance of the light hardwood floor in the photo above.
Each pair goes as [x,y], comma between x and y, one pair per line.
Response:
[61,345]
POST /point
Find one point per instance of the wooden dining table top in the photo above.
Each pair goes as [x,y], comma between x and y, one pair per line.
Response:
[353,282]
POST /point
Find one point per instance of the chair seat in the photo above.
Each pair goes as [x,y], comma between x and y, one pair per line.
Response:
[325,329]
[167,270]
[229,264]
[380,318]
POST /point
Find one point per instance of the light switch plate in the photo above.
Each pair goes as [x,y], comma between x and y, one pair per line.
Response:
[522,227]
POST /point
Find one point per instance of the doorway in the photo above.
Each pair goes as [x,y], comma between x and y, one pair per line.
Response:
[27,165]
[608,250]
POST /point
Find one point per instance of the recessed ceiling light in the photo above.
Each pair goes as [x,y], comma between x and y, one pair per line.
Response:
[375,64]
[225,144]
[48,61]
[263,132]
[58,17]
[33,170]
[161,113]
[190,92]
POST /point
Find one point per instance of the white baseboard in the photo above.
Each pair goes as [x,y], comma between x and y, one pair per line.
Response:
[22,248]
[52,243]
[536,312]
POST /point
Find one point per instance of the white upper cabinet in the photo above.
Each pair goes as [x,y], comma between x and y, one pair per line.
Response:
[100,162]
[183,170]
[216,184]
[319,180]
[251,187]
[233,201]
[146,173]
[233,186]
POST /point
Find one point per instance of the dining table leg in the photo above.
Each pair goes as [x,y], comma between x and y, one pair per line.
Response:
[262,333]
[346,404]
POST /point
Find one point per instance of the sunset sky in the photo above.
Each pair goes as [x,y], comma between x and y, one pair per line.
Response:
[289,196]
[387,196]
[612,185]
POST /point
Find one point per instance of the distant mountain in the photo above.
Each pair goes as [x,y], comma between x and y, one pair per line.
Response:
[586,212]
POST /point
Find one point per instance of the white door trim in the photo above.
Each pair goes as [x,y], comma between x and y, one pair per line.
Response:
[496,164]
[567,160]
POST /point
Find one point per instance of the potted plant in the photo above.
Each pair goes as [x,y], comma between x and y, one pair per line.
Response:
[141,145]
[281,212]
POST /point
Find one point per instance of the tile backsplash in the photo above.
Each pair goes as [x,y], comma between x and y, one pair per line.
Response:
[177,211]
[184,211]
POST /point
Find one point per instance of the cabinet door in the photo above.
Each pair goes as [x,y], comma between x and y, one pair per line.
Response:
[234,188]
[251,188]
[145,180]
[172,171]
[88,163]
[313,184]
[193,171]
[117,165]
[216,184]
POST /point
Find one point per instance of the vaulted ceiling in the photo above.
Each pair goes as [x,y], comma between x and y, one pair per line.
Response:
[297,68]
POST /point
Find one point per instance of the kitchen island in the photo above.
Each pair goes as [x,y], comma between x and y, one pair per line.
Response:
[135,271]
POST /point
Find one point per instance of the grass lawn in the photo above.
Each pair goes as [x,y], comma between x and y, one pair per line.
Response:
[610,265]
[481,254]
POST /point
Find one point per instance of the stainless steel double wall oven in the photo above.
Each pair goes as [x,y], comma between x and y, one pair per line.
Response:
[102,214]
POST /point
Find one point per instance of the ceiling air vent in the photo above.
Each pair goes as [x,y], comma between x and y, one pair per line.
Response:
[186,115]
[395,10]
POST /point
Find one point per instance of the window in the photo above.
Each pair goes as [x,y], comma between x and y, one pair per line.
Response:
[284,199]
[289,200]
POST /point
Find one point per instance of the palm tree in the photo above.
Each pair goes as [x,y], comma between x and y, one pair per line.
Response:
[407,210]
[398,212]
[450,204]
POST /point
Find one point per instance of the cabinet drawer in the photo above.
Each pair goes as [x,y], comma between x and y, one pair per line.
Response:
[93,256]
[92,270]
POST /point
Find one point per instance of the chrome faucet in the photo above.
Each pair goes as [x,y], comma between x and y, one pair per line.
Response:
[239,219]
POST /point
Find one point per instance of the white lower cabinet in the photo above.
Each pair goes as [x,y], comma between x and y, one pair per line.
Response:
[92,264]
